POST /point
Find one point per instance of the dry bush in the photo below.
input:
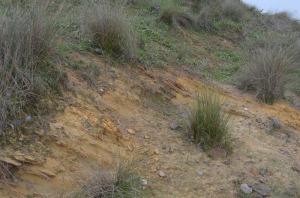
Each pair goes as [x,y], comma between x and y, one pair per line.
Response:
[208,14]
[27,40]
[208,122]
[234,9]
[269,69]
[122,182]
[173,15]
[109,28]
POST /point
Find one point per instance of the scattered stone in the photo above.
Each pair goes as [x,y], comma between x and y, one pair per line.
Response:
[147,137]
[261,189]
[263,179]
[226,162]
[156,151]
[246,109]
[28,119]
[275,123]
[296,167]
[200,173]
[164,147]
[217,153]
[131,131]
[156,159]
[246,189]
[161,174]
[99,51]
[174,125]
[144,182]
[113,74]
[48,173]
[263,171]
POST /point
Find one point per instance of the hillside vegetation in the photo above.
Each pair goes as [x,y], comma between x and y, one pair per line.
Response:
[87,72]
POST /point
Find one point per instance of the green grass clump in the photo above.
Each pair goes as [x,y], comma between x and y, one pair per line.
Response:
[208,122]
[111,30]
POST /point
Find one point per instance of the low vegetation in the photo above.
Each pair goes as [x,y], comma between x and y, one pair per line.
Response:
[122,182]
[208,122]
[173,15]
[27,42]
[269,70]
[109,28]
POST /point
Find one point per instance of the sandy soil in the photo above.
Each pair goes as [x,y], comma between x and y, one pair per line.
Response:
[93,123]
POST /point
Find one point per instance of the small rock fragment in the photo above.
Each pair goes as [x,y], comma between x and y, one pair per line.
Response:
[261,189]
[131,131]
[174,125]
[246,189]
[296,167]
[263,171]
[144,182]
[28,119]
[263,179]
[146,137]
[156,151]
[161,174]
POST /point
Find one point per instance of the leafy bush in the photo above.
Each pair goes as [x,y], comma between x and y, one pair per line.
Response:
[208,122]
[208,14]
[123,182]
[269,71]
[109,28]
[27,40]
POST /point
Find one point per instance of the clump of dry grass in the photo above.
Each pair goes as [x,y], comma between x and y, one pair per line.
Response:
[109,28]
[208,122]
[173,15]
[122,182]
[268,70]
[234,9]
[27,41]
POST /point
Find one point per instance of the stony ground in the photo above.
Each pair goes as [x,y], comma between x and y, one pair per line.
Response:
[130,111]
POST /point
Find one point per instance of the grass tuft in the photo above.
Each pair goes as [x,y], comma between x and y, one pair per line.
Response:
[110,29]
[27,41]
[208,122]
[122,182]
[268,72]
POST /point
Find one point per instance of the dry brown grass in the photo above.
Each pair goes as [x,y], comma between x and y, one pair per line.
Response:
[110,29]
[27,41]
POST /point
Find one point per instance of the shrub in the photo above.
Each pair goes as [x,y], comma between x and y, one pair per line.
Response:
[109,28]
[267,72]
[123,182]
[27,40]
[172,16]
[234,9]
[208,122]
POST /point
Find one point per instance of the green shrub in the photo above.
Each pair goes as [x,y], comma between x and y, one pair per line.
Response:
[27,41]
[109,28]
[122,182]
[208,122]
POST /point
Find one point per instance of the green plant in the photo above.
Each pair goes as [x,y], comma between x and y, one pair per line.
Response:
[121,182]
[110,29]
[27,41]
[208,122]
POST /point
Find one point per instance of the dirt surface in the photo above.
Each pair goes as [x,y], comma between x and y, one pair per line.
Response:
[129,111]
